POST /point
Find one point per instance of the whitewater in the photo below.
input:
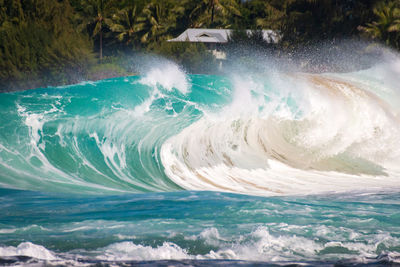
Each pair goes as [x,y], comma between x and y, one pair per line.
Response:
[272,166]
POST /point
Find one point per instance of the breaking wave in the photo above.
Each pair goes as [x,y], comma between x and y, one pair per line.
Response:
[272,133]
[258,246]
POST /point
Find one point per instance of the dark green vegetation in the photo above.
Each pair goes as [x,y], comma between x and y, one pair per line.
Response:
[59,41]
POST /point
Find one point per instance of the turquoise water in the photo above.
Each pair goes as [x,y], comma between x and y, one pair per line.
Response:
[271,167]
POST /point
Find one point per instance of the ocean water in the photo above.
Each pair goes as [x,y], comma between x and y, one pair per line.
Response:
[168,168]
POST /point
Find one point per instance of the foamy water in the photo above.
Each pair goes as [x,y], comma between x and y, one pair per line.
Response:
[281,166]
[311,134]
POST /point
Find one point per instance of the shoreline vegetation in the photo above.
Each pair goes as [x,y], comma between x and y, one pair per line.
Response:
[47,43]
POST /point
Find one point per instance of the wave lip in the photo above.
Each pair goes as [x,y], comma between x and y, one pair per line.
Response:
[337,136]
[263,134]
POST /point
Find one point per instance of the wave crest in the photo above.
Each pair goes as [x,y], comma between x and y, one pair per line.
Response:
[309,134]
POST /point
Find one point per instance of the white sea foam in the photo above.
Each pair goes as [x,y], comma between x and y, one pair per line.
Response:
[168,75]
[161,77]
[7,231]
[111,152]
[266,247]
[283,133]
[40,167]
[266,243]
[126,251]
[318,134]
[28,249]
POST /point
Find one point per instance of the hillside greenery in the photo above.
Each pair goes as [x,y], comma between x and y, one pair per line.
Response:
[45,42]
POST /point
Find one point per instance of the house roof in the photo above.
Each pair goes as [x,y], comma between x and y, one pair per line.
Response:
[217,36]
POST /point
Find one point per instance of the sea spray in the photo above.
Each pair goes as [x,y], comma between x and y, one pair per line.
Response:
[69,229]
[254,134]
[132,169]
[270,141]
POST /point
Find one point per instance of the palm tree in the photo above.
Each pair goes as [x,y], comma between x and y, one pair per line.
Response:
[274,17]
[155,21]
[205,13]
[387,25]
[125,24]
[94,14]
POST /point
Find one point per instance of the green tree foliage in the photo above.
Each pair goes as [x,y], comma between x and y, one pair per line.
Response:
[306,22]
[214,13]
[154,22]
[125,24]
[92,18]
[57,38]
[38,42]
[271,14]
[158,20]
[386,27]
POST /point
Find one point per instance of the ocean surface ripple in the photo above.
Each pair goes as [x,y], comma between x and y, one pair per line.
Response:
[268,167]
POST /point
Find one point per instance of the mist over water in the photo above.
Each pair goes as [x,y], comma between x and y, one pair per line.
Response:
[312,159]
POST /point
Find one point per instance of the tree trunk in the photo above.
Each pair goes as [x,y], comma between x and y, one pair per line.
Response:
[212,13]
[101,44]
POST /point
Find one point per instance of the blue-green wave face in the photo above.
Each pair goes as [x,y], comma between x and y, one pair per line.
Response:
[144,167]
[101,137]
[266,134]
